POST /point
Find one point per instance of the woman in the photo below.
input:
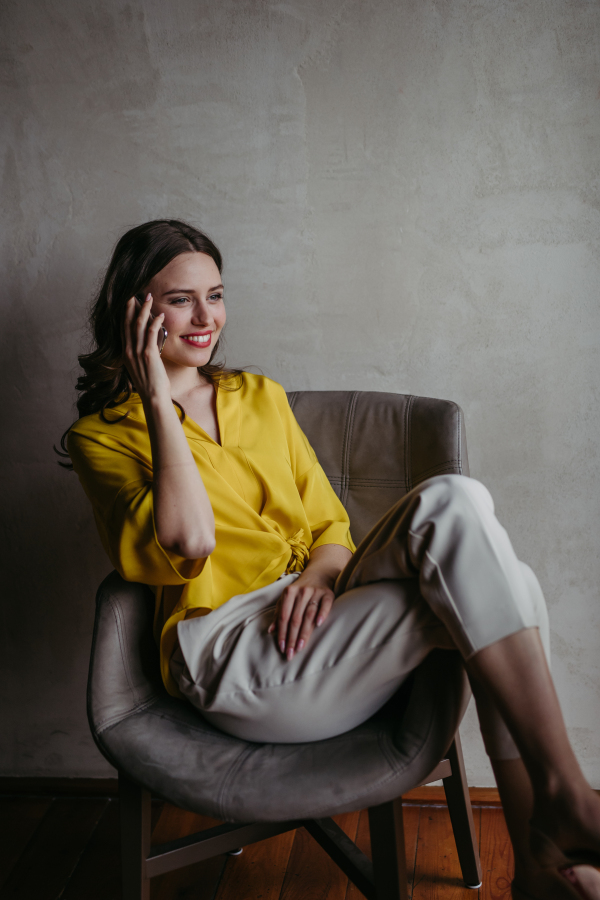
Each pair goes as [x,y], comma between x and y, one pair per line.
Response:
[224,510]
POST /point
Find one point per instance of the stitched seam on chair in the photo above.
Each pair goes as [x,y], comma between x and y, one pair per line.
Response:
[229,777]
[396,770]
[138,705]
[393,763]
[88,692]
[114,720]
[458,439]
[177,721]
[441,467]
[121,632]
[292,397]
[368,482]
[407,420]
[346,447]
[394,774]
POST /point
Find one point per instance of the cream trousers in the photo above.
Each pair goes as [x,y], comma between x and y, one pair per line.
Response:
[437,571]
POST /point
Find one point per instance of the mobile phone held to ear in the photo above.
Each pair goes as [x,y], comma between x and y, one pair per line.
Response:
[162,332]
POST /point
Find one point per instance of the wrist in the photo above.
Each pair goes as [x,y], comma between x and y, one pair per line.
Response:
[318,577]
[159,407]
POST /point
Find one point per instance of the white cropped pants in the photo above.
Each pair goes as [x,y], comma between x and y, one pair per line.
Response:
[438,571]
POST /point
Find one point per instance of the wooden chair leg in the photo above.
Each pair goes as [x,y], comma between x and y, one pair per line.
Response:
[461,816]
[134,803]
[389,856]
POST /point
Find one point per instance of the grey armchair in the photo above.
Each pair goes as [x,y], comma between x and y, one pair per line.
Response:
[374,448]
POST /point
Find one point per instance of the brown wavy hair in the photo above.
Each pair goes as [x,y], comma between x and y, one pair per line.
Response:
[139,255]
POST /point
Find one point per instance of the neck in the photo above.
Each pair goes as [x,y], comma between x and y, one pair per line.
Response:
[183,379]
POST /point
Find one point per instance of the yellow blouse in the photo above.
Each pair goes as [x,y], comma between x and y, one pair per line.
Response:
[271,499]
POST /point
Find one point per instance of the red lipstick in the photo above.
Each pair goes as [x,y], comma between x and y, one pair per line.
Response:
[197,338]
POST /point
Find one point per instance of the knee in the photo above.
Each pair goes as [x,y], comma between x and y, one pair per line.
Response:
[458,493]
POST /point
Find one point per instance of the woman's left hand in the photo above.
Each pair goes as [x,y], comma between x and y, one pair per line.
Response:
[302,607]
[306,603]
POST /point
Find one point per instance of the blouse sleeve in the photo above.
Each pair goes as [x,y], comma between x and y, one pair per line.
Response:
[119,487]
[329,521]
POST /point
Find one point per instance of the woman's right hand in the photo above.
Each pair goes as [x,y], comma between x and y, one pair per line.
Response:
[142,357]
[183,516]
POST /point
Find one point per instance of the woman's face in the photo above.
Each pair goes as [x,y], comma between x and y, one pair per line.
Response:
[190,294]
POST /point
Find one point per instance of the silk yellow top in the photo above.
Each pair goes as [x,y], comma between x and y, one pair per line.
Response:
[271,499]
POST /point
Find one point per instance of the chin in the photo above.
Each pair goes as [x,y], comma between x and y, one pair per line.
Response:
[191,361]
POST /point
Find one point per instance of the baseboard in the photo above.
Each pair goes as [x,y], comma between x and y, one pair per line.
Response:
[60,787]
[433,795]
[109,787]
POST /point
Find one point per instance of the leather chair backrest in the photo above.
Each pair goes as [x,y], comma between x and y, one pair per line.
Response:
[375,447]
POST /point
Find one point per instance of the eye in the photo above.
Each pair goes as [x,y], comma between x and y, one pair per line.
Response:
[178,301]
[215,297]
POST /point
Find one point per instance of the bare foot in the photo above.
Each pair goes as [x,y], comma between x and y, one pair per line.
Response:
[572,884]
[584,879]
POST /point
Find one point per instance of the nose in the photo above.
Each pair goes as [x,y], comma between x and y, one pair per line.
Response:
[202,313]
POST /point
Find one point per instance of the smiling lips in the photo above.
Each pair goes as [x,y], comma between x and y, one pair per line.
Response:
[197,340]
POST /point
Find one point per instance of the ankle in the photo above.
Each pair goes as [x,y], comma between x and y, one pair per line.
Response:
[527,869]
[554,795]
[569,816]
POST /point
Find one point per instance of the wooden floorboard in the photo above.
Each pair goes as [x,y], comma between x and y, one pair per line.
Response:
[363,842]
[311,874]
[497,859]
[437,870]
[97,875]
[199,881]
[19,819]
[50,857]
[412,818]
[258,872]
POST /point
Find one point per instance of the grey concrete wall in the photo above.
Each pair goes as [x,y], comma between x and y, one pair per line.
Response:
[407,196]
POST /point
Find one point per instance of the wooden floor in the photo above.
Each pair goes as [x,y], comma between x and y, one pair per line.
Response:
[68,847]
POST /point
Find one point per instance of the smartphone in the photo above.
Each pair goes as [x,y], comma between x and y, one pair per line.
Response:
[162,332]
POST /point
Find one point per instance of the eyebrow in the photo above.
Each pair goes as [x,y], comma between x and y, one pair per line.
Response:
[191,290]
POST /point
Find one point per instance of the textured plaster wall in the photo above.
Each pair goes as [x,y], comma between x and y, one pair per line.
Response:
[407,197]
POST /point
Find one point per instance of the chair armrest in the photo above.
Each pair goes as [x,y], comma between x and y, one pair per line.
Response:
[124,673]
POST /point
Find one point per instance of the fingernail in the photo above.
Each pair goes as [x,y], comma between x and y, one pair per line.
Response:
[290,654]
[270,629]
[282,646]
[300,644]
[320,621]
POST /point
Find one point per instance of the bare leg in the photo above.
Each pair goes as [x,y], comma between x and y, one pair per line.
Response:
[516,794]
[515,672]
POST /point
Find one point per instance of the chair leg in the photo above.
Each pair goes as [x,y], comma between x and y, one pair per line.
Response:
[389,856]
[461,816]
[134,803]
